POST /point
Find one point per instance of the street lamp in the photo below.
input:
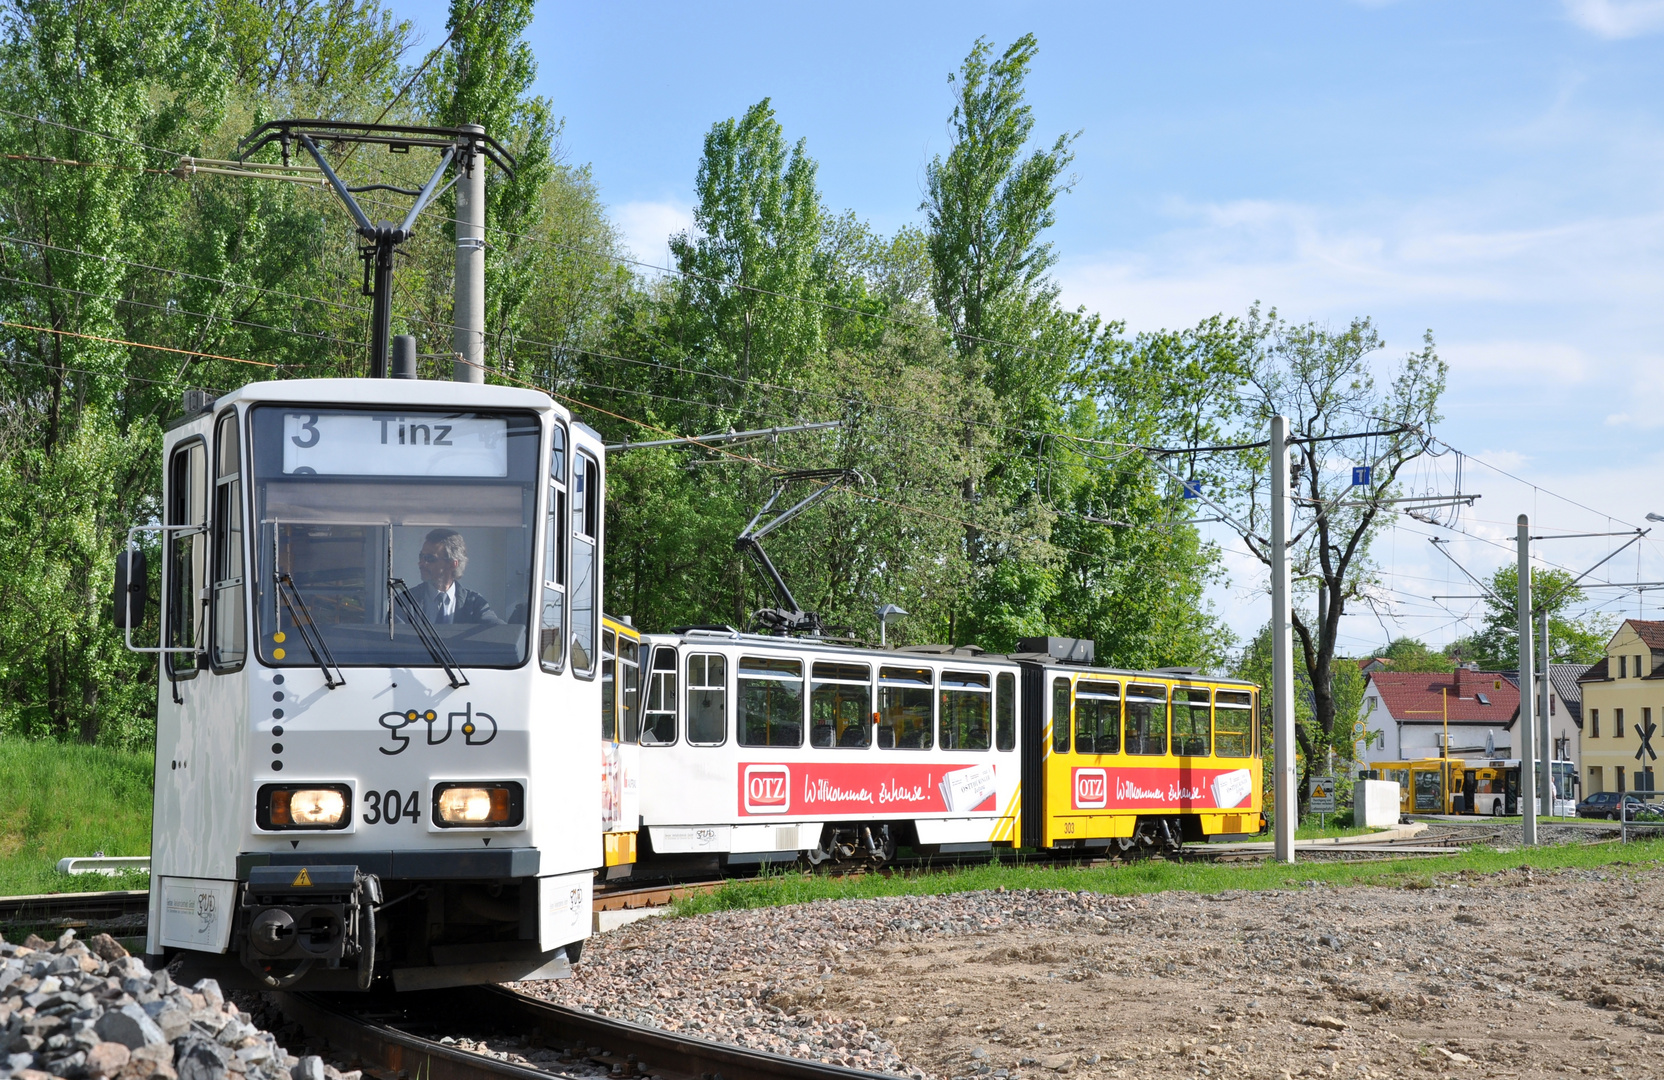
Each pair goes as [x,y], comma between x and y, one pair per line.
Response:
[1655,517]
[887,614]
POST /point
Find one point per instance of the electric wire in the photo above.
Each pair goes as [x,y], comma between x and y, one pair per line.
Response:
[135,345]
[182,312]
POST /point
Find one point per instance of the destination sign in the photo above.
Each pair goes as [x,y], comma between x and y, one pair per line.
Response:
[393,444]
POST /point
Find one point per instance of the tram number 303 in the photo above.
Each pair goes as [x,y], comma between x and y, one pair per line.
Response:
[391,807]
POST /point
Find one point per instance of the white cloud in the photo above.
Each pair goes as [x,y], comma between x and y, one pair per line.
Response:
[1512,460]
[648,226]
[1561,362]
[1316,262]
[1643,397]
[1617,18]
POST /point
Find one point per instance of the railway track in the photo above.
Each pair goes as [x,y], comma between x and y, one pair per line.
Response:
[403,1034]
[119,913]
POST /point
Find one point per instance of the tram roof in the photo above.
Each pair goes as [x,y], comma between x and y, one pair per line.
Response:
[945,653]
[391,392]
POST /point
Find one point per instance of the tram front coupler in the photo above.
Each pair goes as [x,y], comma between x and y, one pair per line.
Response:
[307,915]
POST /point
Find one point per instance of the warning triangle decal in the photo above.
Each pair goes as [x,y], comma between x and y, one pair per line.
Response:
[303,880]
[1317,793]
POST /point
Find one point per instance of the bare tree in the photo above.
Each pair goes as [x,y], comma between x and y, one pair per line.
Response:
[1340,418]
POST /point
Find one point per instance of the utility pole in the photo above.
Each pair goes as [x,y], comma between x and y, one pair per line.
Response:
[1282,650]
[1545,747]
[1527,723]
[467,146]
[468,316]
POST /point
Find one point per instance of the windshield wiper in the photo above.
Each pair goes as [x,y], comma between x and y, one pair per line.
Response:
[308,631]
[419,621]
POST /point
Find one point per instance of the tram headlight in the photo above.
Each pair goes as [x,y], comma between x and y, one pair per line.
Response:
[304,806]
[477,805]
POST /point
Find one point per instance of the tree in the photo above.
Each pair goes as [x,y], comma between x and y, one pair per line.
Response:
[1324,382]
[750,276]
[986,206]
[1571,640]
[484,77]
[1346,690]
[1408,654]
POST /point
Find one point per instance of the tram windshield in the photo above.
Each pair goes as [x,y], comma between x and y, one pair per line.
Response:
[387,527]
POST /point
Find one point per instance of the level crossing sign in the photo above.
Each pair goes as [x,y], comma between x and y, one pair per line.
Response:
[1321,790]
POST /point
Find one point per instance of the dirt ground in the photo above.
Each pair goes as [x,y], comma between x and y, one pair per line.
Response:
[1512,975]
[1515,974]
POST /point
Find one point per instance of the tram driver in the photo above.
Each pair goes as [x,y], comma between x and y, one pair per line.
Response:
[441,595]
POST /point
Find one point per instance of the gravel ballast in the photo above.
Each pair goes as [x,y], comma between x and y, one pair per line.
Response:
[1520,973]
[90,1011]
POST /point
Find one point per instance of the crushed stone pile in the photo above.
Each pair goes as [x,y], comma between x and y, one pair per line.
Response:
[87,1010]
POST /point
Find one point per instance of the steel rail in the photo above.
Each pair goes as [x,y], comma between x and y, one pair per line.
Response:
[384,1031]
[81,909]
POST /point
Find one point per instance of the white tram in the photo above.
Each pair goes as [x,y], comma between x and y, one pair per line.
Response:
[758,749]
[376,749]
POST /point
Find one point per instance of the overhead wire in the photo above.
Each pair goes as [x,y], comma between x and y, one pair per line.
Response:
[622,260]
[134,344]
[182,312]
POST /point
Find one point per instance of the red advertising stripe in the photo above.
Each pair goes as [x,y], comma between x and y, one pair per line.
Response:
[809,788]
[1113,788]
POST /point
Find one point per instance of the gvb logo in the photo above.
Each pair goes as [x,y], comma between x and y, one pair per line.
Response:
[768,789]
[1091,789]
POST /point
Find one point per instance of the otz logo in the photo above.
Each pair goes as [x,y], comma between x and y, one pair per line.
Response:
[767,789]
[473,724]
[1091,789]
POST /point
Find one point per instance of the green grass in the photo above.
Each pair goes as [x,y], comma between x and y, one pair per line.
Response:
[1162,876]
[59,799]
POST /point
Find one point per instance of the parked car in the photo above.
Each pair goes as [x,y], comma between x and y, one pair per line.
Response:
[1602,804]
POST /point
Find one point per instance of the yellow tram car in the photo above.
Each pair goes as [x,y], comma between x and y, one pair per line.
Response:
[620,738]
[1124,760]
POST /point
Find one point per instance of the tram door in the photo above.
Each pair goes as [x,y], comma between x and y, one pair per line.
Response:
[620,739]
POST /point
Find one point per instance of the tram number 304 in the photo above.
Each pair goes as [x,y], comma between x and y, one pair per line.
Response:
[391,807]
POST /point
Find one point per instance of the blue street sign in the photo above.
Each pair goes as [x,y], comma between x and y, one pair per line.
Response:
[1192,489]
[1361,474]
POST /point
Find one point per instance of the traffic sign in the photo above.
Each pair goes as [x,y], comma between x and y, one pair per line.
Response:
[1321,789]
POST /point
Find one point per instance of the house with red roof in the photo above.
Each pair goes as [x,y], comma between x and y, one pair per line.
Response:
[1407,715]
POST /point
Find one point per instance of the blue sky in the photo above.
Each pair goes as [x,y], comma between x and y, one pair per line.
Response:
[1492,171]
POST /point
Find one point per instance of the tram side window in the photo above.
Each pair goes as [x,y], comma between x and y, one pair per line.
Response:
[629,688]
[1005,711]
[187,555]
[840,705]
[551,637]
[1061,715]
[707,699]
[658,726]
[586,532]
[1192,724]
[1146,719]
[1233,721]
[1097,717]
[905,704]
[770,701]
[230,634]
[609,686]
[967,707]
